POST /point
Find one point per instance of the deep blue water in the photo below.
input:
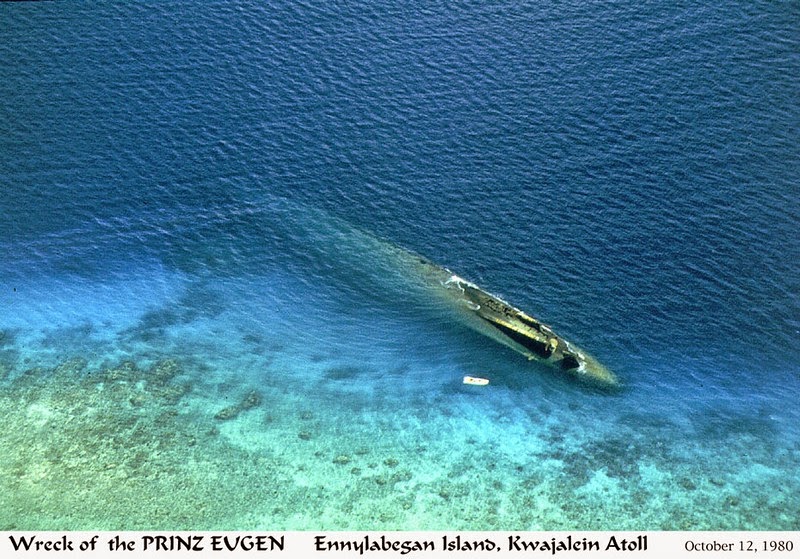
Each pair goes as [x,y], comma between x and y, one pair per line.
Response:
[627,173]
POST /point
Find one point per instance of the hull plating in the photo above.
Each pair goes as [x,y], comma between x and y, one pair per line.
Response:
[506,324]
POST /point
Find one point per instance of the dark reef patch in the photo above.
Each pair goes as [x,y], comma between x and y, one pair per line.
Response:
[721,424]
[8,337]
[198,302]
[73,337]
[344,372]
[250,400]
[8,361]
[113,450]
[619,456]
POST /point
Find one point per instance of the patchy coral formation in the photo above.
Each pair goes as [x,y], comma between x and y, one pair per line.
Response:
[147,446]
[250,401]
[111,448]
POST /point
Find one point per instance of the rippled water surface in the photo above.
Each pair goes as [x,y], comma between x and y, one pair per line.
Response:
[203,322]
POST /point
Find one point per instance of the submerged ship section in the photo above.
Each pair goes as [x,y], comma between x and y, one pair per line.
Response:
[506,324]
[408,274]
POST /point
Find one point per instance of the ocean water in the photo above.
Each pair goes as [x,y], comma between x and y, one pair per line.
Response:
[202,324]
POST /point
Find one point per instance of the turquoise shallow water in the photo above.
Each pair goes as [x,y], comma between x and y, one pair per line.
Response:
[202,324]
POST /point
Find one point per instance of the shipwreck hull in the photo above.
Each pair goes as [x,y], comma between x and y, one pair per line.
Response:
[389,271]
[495,318]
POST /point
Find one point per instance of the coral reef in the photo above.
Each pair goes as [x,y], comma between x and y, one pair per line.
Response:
[143,444]
[110,448]
[249,401]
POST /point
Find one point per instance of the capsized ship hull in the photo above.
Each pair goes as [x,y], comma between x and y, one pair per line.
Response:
[497,319]
[406,274]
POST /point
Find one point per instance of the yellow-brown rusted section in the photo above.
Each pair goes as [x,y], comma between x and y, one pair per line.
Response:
[497,319]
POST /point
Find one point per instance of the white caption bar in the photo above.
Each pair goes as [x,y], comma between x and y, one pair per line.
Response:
[388,545]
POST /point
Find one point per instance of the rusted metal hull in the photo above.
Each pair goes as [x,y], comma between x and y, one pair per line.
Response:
[499,320]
